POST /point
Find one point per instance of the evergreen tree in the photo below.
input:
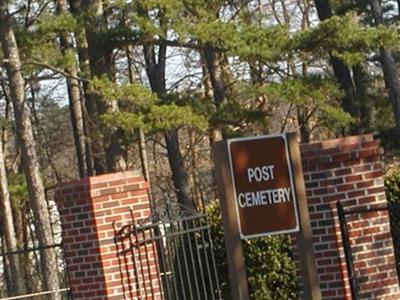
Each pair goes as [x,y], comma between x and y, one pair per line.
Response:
[8,228]
[389,68]
[29,155]
[74,94]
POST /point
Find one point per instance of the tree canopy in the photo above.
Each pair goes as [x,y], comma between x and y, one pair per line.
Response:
[151,84]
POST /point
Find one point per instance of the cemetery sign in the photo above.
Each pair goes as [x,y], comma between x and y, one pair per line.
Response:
[263,185]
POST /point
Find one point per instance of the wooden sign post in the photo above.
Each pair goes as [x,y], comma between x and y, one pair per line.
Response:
[262,192]
[233,242]
[308,268]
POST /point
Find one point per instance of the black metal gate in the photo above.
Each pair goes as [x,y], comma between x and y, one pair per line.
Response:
[168,256]
[394,213]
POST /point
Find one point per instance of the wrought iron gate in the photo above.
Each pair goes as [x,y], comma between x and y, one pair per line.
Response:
[168,256]
[394,214]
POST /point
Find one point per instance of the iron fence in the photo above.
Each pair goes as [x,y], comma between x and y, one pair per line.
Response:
[394,214]
[31,277]
[174,247]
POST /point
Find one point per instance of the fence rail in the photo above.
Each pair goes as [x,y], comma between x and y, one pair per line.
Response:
[25,296]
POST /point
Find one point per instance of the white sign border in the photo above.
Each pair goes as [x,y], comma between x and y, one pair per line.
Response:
[284,137]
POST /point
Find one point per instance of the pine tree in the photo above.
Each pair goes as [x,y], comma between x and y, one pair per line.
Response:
[29,155]
[8,229]
[74,94]
[389,68]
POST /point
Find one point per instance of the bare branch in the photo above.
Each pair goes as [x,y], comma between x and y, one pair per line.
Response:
[54,69]
[285,121]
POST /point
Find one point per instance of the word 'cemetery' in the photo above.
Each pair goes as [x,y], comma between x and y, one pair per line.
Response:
[264,197]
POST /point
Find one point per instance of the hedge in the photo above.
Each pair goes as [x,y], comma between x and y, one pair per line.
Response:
[270,267]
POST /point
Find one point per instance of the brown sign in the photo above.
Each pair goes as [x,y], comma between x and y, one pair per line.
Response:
[263,185]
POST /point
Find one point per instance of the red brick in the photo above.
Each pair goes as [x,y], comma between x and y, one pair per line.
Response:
[356,194]
[365,184]
[91,239]
[341,157]
[330,166]
[361,168]
[332,181]
[371,159]
[353,178]
[367,200]
[345,187]
[354,160]
[100,185]
[319,160]
[368,153]
[377,166]
[382,236]
[323,191]
[372,144]
[376,190]
[330,151]
[334,198]
[344,171]
[375,174]
[349,147]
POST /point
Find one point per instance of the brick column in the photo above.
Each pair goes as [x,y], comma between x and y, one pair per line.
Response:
[349,170]
[88,208]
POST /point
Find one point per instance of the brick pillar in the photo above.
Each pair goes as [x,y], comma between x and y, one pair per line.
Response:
[349,170]
[88,208]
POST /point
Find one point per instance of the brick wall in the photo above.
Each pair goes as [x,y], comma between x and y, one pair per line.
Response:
[349,170]
[88,208]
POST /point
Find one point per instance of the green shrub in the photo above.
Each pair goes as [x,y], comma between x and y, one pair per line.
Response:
[392,184]
[270,267]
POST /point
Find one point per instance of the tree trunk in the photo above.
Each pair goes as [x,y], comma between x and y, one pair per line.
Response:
[74,94]
[213,63]
[361,83]
[100,65]
[213,60]
[155,70]
[8,229]
[6,266]
[143,155]
[28,149]
[95,156]
[179,173]
[93,145]
[390,73]
[195,182]
[398,9]
[46,157]
[141,137]
[305,132]
[21,229]
[342,72]
[205,76]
